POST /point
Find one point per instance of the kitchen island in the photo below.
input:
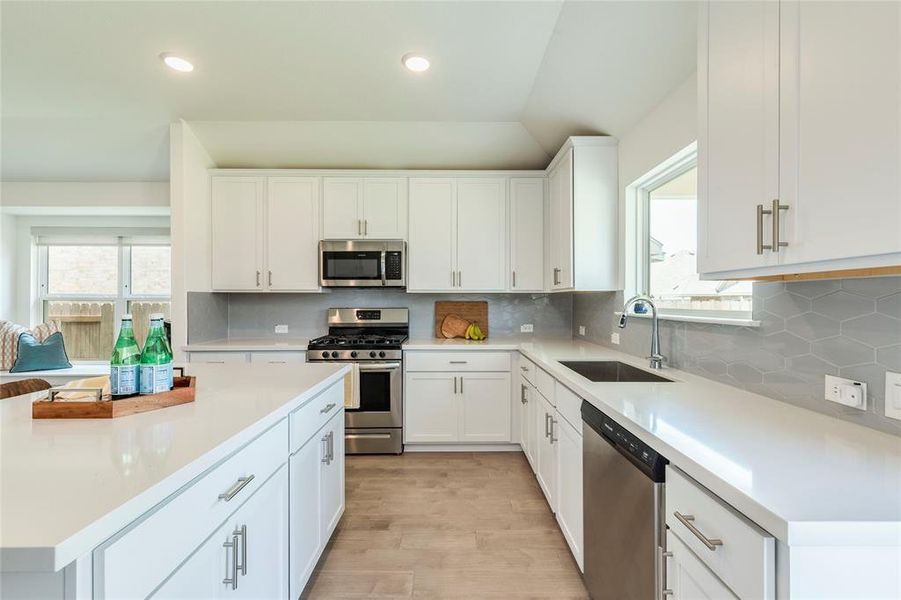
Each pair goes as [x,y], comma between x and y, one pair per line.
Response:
[126,507]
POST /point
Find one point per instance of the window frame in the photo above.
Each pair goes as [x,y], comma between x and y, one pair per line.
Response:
[637,242]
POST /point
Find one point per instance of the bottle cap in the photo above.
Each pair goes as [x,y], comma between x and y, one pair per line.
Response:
[156,316]
[126,317]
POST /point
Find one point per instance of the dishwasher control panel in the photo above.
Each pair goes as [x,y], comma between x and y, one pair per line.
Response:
[626,442]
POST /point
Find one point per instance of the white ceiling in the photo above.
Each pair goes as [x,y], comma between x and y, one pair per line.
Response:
[320,84]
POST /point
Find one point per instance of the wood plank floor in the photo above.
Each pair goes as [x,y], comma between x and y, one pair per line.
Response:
[445,525]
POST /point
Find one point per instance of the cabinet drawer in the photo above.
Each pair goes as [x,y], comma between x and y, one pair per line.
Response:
[569,406]
[527,368]
[309,418]
[278,357]
[545,385]
[742,554]
[457,361]
[134,562]
[218,357]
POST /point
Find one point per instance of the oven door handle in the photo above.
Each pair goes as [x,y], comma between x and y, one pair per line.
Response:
[392,366]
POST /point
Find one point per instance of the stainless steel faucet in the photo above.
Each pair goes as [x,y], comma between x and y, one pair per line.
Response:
[656,358]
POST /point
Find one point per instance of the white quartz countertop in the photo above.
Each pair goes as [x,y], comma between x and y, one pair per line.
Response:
[249,345]
[807,478]
[67,485]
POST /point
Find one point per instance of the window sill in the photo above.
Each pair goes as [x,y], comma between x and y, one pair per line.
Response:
[734,321]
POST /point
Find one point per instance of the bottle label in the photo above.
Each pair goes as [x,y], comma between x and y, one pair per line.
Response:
[123,380]
[155,378]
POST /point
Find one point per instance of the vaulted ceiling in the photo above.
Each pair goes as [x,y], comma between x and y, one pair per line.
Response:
[319,84]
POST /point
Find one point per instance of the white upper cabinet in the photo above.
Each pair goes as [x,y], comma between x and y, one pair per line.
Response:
[799,101]
[292,233]
[527,234]
[583,227]
[481,239]
[358,207]
[265,233]
[457,234]
[236,223]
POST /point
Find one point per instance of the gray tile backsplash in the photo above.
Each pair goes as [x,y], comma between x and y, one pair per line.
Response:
[850,328]
[207,317]
[255,315]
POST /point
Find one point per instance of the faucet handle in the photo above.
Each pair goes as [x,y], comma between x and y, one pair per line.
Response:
[657,361]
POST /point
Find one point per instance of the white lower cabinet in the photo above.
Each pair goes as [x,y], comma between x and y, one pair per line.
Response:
[457,398]
[331,478]
[202,574]
[546,451]
[527,428]
[687,578]
[569,486]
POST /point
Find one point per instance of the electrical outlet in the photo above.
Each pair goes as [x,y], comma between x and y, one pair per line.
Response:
[281,329]
[526,328]
[847,392]
[893,395]
[614,338]
[582,330]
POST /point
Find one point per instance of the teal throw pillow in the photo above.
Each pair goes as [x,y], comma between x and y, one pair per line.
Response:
[33,355]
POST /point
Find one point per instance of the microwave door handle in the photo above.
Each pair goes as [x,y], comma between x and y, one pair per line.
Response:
[384,276]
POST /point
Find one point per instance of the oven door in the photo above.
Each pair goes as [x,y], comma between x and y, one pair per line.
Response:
[352,268]
[380,397]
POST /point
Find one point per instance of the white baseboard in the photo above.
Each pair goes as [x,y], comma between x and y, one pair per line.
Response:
[462,448]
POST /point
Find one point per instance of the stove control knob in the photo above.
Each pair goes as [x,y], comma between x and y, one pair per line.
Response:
[372,355]
[353,354]
[334,354]
[325,355]
[382,354]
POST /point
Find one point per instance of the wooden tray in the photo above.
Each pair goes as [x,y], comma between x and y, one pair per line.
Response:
[181,393]
[473,311]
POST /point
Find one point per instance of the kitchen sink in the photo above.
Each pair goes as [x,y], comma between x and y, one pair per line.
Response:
[611,370]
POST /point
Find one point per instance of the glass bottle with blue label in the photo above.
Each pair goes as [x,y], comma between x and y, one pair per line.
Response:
[156,359]
[125,361]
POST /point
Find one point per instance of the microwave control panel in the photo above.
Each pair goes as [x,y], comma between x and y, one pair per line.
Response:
[393,266]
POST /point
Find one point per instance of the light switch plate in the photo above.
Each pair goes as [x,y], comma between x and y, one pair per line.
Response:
[281,329]
[614,338]
[893,395]
[847,392]
[526,328]
[582,330]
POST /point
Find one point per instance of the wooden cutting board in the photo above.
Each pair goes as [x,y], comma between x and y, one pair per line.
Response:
[473,311]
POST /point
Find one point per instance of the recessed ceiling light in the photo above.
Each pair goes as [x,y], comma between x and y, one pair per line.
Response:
[176,63]
[415,62]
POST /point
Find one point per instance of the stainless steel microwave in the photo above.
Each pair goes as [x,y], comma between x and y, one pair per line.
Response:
[363,263]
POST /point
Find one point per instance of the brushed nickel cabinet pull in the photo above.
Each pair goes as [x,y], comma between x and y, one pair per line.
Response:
[324,440]
[455,384]
[514,278]
[461,384]
[243,564]
[270,278]
[365,226]
[328,407]
[233,491]
[233,546]
[688,521]
[556,275]
[553,427]
[522,394]
[760,245]
[258,279]
[777,217]
[547,433]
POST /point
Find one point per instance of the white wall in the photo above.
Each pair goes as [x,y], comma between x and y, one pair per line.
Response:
[190,206]
[8,283]
[29,197]
[670,127]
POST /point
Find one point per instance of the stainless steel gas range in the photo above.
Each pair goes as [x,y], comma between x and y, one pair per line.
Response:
[372,339]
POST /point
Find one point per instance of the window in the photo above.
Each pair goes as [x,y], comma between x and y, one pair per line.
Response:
[664,222]
[88,284]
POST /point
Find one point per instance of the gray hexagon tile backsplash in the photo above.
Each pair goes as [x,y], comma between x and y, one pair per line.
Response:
[850,328]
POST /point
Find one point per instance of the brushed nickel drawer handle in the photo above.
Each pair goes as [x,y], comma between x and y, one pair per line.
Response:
[526,369]
[233,546]
[522,395]
[328,407]
[233,491]
[242,531]
[687,521]
[458,362]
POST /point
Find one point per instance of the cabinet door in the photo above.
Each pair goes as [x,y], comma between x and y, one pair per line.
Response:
[560,186]
[263,546]
[526,234]
[236,232]
[430,407]
[527,420]
[839,120]
[341,201]
[569,486]
[385,208]
[201,575]
[305,541]
[331,480]
[738,137]
[688,578]
[432,230]
[546,452]
[292,239]
[481,234]
[485,407]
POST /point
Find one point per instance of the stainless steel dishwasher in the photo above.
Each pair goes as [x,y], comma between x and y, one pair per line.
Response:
[623,511]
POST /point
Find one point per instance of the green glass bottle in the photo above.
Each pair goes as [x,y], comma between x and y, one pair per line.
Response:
[124,361]
[156,359]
